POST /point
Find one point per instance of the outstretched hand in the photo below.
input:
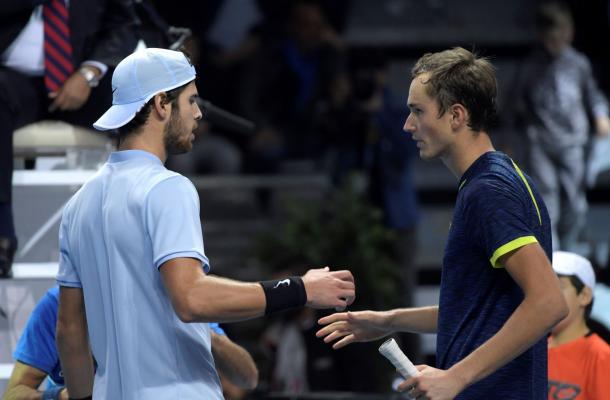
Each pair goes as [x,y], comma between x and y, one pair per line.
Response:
[349,327]
[329,289]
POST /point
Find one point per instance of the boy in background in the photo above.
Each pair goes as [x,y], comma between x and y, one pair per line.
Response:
[579,360]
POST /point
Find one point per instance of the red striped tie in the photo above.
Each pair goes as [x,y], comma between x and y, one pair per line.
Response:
[57,46]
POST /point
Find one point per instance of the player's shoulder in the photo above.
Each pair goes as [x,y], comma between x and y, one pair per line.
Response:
[163,174]
[171,181]
[168,186]
[157,175]
[600,348]
[499,173]
[491,191]
[489,185]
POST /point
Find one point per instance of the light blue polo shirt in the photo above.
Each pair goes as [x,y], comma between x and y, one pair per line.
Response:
[115,233]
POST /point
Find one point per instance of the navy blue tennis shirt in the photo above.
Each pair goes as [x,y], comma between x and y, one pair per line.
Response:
[498,210]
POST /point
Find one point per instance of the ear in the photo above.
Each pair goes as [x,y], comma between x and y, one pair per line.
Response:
[162,106]
[585,296]
[459,116]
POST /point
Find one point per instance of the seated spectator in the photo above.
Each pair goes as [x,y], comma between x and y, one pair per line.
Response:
[36,357]
[53,54]
[579,360]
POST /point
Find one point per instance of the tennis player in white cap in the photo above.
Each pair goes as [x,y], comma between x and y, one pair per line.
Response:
[133,271]
[579,360]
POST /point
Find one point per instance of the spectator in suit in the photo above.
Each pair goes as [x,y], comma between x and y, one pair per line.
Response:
[53,55]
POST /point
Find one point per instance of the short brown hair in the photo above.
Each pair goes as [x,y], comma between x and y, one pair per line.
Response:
[459,76]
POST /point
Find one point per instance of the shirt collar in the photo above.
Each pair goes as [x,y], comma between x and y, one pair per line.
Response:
[127,155]
[474,168]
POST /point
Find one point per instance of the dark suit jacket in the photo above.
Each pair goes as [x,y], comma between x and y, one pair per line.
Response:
[100,30]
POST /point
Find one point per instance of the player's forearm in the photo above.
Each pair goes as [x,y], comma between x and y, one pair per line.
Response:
[415,320]
[24,381]
[234,362]
[212,298]
[76,360]
[534,317]
[22,392]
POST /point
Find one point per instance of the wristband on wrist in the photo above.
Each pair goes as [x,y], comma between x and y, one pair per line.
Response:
[284,294]
[52,393]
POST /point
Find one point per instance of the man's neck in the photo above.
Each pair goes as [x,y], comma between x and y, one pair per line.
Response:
[146,142]
[572,332]
[466,151]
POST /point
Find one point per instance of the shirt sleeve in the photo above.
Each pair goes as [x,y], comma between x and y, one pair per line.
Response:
[600,385]
[596,101]
[36,346]
[173,222]
[67,274]
[497,217]
[216,328]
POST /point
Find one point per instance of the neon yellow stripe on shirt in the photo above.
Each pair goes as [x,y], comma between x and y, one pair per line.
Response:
[462,184]
[510,246]
[529,190]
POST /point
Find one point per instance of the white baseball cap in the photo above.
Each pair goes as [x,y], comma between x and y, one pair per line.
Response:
[138,78]
[565,263]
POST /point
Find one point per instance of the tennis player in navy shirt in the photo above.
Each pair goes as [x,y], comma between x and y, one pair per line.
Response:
[499,296]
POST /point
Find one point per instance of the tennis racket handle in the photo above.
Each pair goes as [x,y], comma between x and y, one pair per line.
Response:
[401,362]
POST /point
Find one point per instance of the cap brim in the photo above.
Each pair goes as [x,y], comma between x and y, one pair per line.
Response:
[118,115]
[563,270]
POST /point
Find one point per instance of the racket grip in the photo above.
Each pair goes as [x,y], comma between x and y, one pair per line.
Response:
[401,362]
